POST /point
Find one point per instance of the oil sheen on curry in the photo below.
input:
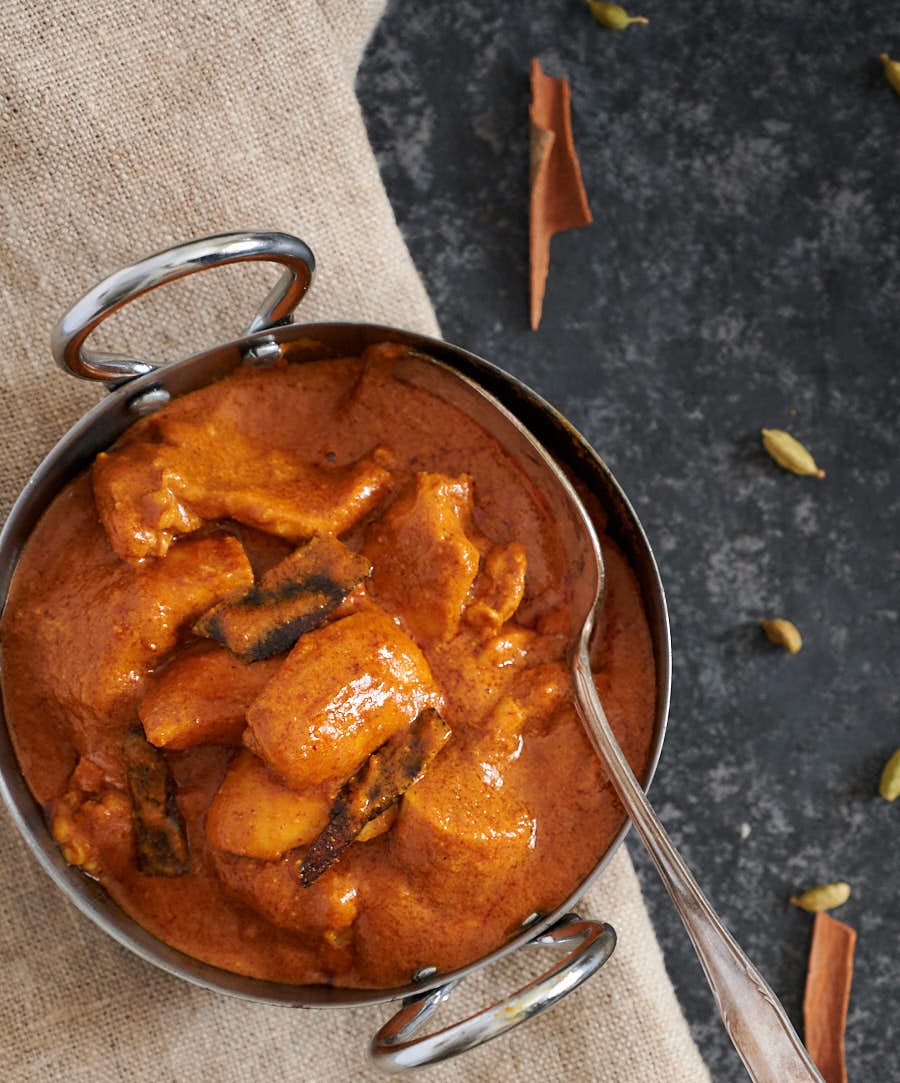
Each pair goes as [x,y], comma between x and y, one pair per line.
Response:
[286,669]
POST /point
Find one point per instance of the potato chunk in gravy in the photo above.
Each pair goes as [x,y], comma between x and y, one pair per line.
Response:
[211,513]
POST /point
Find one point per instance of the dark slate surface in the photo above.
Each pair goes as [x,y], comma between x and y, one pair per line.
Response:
[743,270]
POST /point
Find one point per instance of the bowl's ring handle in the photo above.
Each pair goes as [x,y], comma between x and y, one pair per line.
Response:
[394,1049]
[183,259]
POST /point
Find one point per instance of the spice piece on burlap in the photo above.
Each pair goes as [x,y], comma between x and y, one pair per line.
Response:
[558,199]
[828,995]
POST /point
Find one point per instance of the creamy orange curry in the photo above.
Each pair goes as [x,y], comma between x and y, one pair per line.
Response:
[286,669]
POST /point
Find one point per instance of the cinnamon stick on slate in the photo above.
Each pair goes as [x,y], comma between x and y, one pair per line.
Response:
[558,199]
[828,995]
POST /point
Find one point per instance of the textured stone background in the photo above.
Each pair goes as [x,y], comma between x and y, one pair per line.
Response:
[743,270]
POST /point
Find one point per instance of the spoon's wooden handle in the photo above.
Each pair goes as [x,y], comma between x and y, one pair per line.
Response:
[753,1016]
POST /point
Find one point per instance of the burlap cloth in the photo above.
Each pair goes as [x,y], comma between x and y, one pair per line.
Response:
[127,127]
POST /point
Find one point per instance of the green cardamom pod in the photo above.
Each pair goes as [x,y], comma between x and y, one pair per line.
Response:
[889,786]
[891,71]
[783,633]
[823,897]
[790,453]
[613,16]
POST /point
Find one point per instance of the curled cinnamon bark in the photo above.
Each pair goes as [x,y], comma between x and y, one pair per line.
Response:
[558,199]
[382,780]
[828,995]
[162,848]
[290,599]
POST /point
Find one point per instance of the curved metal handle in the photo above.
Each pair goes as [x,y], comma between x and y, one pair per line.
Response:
[394,1049]
[67,342]
[753,1016]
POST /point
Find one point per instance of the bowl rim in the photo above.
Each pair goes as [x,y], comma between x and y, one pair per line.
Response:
[102,424]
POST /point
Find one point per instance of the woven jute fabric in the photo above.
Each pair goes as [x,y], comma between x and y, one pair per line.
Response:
[126,128]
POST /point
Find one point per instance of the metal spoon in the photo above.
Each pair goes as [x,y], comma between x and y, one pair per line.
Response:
[753,1016]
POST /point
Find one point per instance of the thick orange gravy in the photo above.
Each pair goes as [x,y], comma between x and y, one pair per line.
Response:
[462,612]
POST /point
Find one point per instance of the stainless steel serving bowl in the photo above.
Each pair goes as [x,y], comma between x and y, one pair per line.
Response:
[140,387]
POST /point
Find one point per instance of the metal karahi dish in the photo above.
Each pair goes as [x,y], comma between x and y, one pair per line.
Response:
[138,389]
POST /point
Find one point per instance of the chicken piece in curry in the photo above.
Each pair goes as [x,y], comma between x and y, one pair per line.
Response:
[286,668]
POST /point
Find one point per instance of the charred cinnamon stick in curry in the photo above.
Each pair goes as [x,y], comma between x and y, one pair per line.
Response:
[383,779]
[162,848]
[290,599]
